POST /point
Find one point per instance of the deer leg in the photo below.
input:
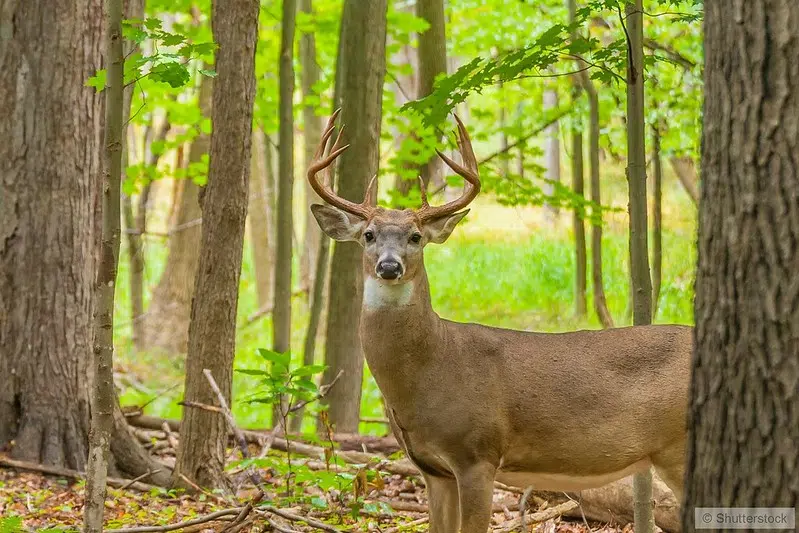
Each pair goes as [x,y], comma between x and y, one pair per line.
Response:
[670,466]
[476,490]
[442,496]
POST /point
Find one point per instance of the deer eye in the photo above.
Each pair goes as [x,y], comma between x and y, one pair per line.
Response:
[369,236]
[416,238]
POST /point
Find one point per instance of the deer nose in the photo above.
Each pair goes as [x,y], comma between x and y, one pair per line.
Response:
[389,269]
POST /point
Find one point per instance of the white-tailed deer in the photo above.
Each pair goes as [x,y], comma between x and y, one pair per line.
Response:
[471,403]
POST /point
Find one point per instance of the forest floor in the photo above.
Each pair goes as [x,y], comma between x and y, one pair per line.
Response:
[30,501]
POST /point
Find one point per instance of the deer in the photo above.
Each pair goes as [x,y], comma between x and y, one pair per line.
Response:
[472,404]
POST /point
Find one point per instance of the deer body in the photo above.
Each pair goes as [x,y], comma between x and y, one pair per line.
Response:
[471,403]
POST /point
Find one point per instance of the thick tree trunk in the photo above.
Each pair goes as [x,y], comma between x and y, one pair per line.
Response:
[360,75]
[50,172]
[639,253]
[261,229]
[102,368]
[166,323]
[312,126]
[212,332]
[744,415]
[432,54]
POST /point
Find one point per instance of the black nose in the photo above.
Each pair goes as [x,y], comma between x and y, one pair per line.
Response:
[389,269]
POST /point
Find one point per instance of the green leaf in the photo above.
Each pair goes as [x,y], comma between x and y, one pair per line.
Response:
[275,357]
[251,371]
[11,524]
[175,74]
[208,73]
[98,81]
[152,23]
[308,370]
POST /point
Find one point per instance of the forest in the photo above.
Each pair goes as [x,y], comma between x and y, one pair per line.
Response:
[399,265]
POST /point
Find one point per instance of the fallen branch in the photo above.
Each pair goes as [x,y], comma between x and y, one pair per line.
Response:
[74,474]
[540,516]
[199,405]
[180,525]
[298,518]
[407,525]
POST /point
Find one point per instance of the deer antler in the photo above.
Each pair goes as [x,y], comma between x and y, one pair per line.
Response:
[468,171]
[321,162]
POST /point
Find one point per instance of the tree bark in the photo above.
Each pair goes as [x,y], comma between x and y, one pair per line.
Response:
[313,130]
[361,70]
[639,254]
[281,315]
[552,151]
[578,185]
[166,323]
[50,172]
[102,370]
[432,54]
[212,331]
[685,169]
[657,220]
[743,421]
[261,229]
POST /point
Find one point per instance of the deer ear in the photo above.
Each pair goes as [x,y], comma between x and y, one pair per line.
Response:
[438,230]
[337,224]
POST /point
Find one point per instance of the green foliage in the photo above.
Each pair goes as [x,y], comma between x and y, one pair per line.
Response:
[11,524]
[277,380]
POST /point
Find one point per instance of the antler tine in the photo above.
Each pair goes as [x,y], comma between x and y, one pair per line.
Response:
[423,193]
[468,171]
[321,162]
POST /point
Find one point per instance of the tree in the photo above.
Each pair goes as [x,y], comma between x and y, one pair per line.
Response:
[742,427]
[360,74]
[166,323]
[432,58]
[312,128]
[657,219]
[102,395]
[552,165]
[212,331]
[639,259]
[261,223]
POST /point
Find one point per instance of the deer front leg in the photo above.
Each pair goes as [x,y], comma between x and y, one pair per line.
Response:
[442,497]
[476,489]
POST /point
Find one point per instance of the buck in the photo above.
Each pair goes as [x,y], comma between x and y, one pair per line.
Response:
[471,404]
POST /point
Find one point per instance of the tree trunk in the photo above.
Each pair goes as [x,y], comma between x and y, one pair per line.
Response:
[597,281]
[552,152]
[313,131]
[260,224]
[639,258]
[281,315]
[657,220]
[360,75]
[166,323]
[102,369]
[578,185]
[212,331]
[685,169]
[743,420]
[51,173]
[432,54]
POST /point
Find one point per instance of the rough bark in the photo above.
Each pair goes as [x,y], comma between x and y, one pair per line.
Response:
[639,254]
[260,224]
[744,413]
[361,70]
[102,372]
[657,220]
[597,280]
[312,126]
[578,186]
[50,173]
[685,169]
[552,150]
[432,54]
[212,331]
[166,323]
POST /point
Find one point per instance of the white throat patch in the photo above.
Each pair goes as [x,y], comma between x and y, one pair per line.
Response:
[377,295]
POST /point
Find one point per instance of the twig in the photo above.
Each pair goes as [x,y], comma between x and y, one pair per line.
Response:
[179,525]
[298,518]
[523,506]
[198,488]
[407,525]
[279,527]
[541,516]
[323,390]
[139,478]
[73,474]
[203,406]
[245,512]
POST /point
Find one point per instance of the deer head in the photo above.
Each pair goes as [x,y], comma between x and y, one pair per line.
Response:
[392,239]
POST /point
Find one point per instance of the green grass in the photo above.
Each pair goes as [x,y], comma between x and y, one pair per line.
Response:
[505,267]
